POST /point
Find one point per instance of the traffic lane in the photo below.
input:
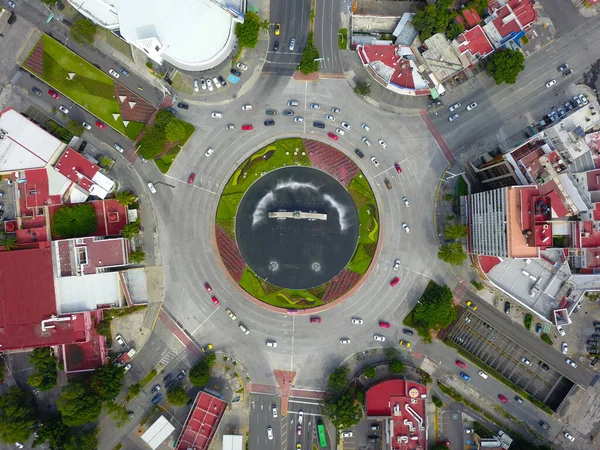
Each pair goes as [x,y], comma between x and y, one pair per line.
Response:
[452,427]
[261,418]
[525,338]
[564,16]
[327,24]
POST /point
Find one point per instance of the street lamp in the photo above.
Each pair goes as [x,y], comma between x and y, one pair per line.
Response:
[452,175]
[318,59]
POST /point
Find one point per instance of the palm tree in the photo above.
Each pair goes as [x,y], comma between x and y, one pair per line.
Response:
[9,242]
[137,257]
[125,198]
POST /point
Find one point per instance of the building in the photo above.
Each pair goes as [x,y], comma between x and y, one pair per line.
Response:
[398,406]
[85,177]
[24,145]
[158,432]
[191,35]
[473,45]
[202,422]
[233,442]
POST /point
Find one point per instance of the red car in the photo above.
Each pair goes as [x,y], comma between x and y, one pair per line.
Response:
[333,136]
[191,178]
[395,281]
[315,320]
[502,398]
[100,125]
[398,168]
[247,127]
[215,301]
[207,287]
[461,364]
[53,94]
[383,324]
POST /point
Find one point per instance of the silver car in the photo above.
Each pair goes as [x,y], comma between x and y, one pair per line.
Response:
[374,161]
[453,117]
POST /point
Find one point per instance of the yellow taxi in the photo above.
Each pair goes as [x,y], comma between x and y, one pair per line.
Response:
[277,29]
[404,344]
[207,348]
[471,305]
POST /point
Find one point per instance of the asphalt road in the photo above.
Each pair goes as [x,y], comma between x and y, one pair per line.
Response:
[503,110]
[294,17]
[261,417]
[308,436]
[327,26]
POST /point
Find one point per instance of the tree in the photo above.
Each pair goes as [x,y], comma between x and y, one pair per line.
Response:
[75,128]
[391,353]
[177,396]
[137,257]
[174,131]
[247,32]
[370,372]
[135,389]
[452,253]
[454,30]
[44,376]
[437,401]
[131,229]
[434,18]
[49,2]
[74,221]
[17,416]
[441,446]
[54,432]
[105,382]
[343,410]
[83,31]
[78,405]
[126,198]
[106,162]
[117,413]
[338,379]
[362,88]
[152,143]
[200,373]
[434,310]
[457,231]
[103,328]
[85,440]
[504,65]
[310,55]
[9,242]
[396,366]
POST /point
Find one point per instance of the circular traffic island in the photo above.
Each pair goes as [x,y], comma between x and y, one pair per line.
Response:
[297,224]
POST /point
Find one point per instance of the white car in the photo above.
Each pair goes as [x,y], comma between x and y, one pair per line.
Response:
[472,106]
[577,100]
[196,89]
[127,367]
[246,107]
[357,321]
[526,361]
[209,151]
[118,148]
[564,348]
[217,115]
[344,341]
[406,202]
[483,375]
[396,264]
[568,436]
[17,444]
[336,110]
[270,433]
[374,161]
[453,117]
[241,66]
[152,188]
[244,329]
[209,85]
[63,109]
[230,313]
[330,117]
[13,5]
[366,141]
[346,125]
[583,99]
[230,126]
[86,125]
[315,106]
[300,417]
[454,107]
[113,73]
[298,119]
[365,127]
[120,340]
[274,411]
[382,143]
[572,363]
[560,330]
[340,131]
[346,433]
[379,337]
[271,344]
[292,44]
[405,226]
[550,83]
[215,80]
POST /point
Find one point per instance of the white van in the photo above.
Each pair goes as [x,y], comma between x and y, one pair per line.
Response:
[483,375]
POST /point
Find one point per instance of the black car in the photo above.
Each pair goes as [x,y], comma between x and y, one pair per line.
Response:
[155,389]
[359,153]
[507,307]
[276,46]
[170,384]
[563,67]
[288,112]
[318,124]
[236,72]
[171,110]
[567,72]
[271,112]
[181,375]
[269,123]
[36,91]
[408,332]
[183,105]
[167,378]
[543,365]
[222,80]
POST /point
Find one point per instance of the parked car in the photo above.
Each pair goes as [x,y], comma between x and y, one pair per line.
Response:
[124,71]
[356,321]
[292,44]
[383,144]
[86,125]
[538,328]
[276,46]
[383,324]
[543,365]
[113,73]
[271,344]
[288,112]
[507,307]
[387,183]
[564,348]
[346,125]
[120,340]
[298,119]
[394,281]
[562,67]
[244,329]
[366,141]
[196,85]
[236,72]
[183,105]
[408,332]
[157,398]
[396,264]
[344,341]
[568,436]
[374,161]
[453,117]
[230,313]
[55,96]
[465,377]
[550,83]
[346,433]
[271,112]
[315,106]
[365,127]
[454,107]
[318,124]
[572,363]
[359,153]
[461,364]
[36,91]
[404,343]
[379,337]
[63,109]
[155,389]
[519,400]
[216,115]
[560,330]
[472,106]
[405,226]
[241,66]
[525,361]
[269,123]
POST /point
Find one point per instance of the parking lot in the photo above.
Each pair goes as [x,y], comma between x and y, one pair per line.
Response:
[506,356]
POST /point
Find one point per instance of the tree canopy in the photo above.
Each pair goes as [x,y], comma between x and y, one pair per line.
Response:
[125,198]
[167,129]
[338,379]
[452,253]
[362,88]
[44,376]
[434,18]
[434,310]
[74,221]
[396,366]
[117,413]
[370,372]
[457,231]
[247,32]
[131,229]
[83,31]
[17,416]
[105,382]
[54,432]
[504,65]
[85,440]
[200,373]
[49,2]
[74,127]
[78,404]
[137,256]
[343,410]
[310,55]
[177,396]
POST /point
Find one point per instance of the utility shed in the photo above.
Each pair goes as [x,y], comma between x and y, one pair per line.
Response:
[158,432]
[232,442]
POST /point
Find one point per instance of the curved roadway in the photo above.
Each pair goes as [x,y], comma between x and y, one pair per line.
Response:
[186,213]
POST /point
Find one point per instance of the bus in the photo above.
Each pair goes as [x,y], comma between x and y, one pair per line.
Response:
[322,438]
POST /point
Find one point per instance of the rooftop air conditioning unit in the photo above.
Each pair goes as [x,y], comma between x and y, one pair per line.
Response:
[3,134]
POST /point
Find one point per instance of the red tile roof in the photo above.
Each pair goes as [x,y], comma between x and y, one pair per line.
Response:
[27,298]
[77,168]
[471,17]
[505,23]
[402,74]
[202,422]
[524,11]
[487,263]
[590,237]
[593,180]
[592,258]
[111,216]
[474,42]
[88,355]
[34,192]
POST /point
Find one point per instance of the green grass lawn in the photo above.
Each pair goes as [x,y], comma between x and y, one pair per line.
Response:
[461,187]
[133,129]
